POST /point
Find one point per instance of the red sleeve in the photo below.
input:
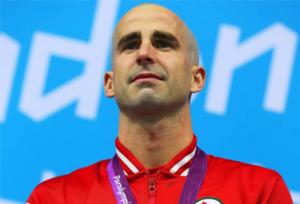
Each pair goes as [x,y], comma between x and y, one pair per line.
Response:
[276,192]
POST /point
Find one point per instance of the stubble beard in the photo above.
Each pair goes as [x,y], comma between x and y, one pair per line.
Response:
[150,106]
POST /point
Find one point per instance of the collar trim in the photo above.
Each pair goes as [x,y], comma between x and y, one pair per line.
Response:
[182,162]
[127,162]
[178,166]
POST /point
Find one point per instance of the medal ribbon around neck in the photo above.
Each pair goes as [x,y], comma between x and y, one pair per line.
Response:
[192,185]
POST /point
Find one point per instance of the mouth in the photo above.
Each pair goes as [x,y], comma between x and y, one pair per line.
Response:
[146,77]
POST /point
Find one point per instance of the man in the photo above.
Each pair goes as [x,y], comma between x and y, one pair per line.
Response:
[155,71]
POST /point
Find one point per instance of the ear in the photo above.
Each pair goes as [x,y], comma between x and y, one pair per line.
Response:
[108,85]
[198,78]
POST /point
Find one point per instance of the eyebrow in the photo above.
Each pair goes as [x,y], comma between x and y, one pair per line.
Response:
[157,34]
[127,38]
[166,36]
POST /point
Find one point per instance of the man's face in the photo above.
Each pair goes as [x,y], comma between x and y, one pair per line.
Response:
[151,66]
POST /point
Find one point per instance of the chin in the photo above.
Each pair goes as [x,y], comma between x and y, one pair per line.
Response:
[146,105]
[149,99]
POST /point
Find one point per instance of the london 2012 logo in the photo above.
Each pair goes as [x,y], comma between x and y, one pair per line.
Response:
[209,200]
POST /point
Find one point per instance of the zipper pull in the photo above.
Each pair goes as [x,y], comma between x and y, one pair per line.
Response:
[152,186]
[152,189]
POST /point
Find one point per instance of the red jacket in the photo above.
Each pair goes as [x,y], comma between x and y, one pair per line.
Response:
[226,181]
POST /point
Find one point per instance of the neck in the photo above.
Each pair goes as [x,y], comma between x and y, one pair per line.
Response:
[155,140]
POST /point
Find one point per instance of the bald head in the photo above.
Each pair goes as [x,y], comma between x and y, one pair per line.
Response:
[157,13]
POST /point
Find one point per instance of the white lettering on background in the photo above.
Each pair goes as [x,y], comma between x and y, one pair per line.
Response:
[84,89]
[9,52]
[230,56]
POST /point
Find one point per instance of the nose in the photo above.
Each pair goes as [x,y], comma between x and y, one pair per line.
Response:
[145,54]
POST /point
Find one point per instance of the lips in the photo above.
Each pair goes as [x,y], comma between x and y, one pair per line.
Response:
[146,76]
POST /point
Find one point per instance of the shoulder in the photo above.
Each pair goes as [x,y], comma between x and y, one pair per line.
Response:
[244,179]
[82,176]
[240,169]
[78,181]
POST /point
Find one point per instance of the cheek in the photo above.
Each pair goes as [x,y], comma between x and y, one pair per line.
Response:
[119,79]
[121,67]
[176,65]
[126,60]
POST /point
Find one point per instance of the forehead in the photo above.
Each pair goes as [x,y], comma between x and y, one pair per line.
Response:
[146,19]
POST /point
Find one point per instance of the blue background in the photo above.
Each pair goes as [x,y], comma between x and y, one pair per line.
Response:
[65,141]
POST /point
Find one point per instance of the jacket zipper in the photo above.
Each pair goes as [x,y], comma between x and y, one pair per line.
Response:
[152,188]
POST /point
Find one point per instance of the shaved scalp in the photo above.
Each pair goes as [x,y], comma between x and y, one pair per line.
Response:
[189,38]
[193,48]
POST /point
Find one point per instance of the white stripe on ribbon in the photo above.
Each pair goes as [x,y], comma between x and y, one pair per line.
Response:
[127,162]
[182,162]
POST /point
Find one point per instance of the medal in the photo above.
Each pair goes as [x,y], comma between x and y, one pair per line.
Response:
[192,185]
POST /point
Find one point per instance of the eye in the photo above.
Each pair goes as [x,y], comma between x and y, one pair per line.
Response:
[132,45]
[162,44]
